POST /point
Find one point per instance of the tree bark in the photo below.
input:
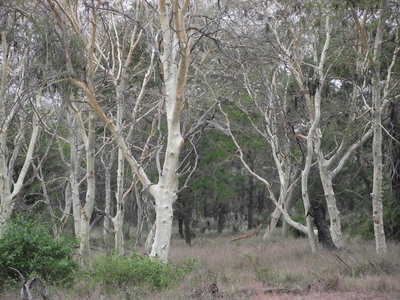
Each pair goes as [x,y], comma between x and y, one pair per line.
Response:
[177,46]
[335,220]
[250,204]
[118,219]
[317,211]
[180,227]
[188,234]
[74,168]
[377,206]
[87,209]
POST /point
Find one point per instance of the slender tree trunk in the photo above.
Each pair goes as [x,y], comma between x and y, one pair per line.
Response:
[67,209]
[377,206]
[180,227]
[304,185]
[272,222]
[86,211]
[188,234]
[6,205]
[220,223]
[261,201]
[74,178]
[289,205]
[250,204]
[118,220]
[140,214]
[9,191]
[107,186]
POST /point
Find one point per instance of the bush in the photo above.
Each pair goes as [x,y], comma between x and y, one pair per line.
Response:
[118,271]
[30,248]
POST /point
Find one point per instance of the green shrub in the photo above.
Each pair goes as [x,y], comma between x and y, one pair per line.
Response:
[30,248]
[117,271]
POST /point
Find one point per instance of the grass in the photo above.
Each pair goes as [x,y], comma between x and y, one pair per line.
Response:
[246,268]
[286,264]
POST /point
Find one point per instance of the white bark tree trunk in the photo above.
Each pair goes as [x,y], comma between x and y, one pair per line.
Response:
[5,191]
[9,189]
[118,220]
[74,169]
[177,47]
[335,220]
[377,206]
[87,209]
[177,44]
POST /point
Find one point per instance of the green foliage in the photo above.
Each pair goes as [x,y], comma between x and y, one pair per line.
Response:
[118,271]
[28,247]
[364,226]
[391,220]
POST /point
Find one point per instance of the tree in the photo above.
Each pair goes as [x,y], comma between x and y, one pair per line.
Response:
[175,58]
[14,99]
[380,240]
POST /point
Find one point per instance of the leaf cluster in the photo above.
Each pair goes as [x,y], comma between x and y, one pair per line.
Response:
[28,246]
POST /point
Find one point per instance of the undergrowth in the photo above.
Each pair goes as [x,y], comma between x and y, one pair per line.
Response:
[124,271]
[28,249]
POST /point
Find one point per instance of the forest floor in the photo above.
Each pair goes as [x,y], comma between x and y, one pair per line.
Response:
[283,269]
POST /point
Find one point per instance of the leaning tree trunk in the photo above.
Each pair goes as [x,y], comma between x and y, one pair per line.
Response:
[9,189]
[335,220]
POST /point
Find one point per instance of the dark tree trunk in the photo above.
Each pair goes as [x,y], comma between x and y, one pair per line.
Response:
[250,204]
[221,218]
[188,234]
[205,207]
[260,200]
[184,217]
[317,211]
[180,228]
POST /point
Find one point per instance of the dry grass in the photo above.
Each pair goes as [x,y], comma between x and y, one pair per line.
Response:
[246,268]
[283,269]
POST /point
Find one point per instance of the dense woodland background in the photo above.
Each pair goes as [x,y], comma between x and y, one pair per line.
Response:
[284,113]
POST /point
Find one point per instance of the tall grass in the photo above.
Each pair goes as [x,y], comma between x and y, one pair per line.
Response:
[251,266]
[251,269]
